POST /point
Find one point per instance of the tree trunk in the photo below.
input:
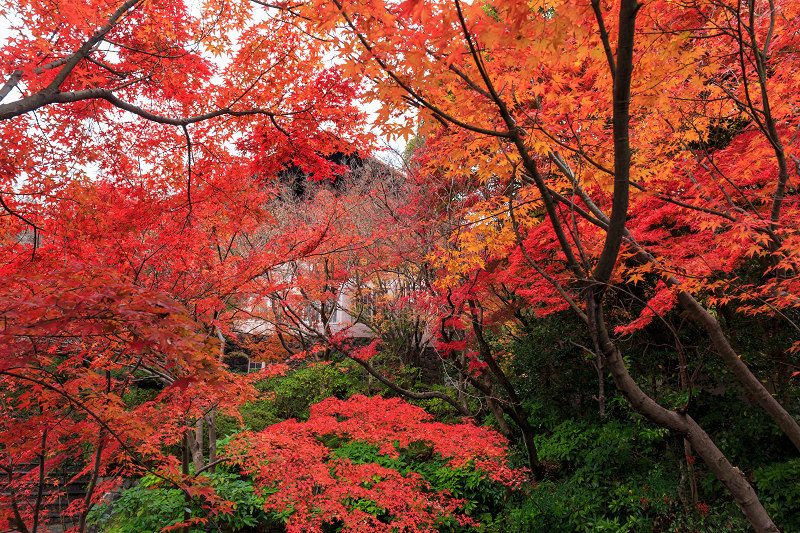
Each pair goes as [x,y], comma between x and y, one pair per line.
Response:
[185,471]
[211,420]
[599,366]
[40,486]
[687,450]
[536,466]
[194,441]
[87,500]
[496,410]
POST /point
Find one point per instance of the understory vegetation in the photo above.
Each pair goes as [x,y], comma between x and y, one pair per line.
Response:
[612,473]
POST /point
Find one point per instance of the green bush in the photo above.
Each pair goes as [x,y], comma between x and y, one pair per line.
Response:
[290,396]
[149,507]
[779,490]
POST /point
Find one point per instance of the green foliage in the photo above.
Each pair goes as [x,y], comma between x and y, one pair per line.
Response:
[291,395]
[143,508]
[610,477]
[623,474]
[779,490]
[149,507]
[754,440]
[557,507]
[143,391]
[550,371]
[615,476]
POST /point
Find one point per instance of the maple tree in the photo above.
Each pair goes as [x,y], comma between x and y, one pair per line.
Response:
[71,349]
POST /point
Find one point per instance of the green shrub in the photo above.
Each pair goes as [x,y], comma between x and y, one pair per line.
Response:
[291,395]
[779,490]
[149,507]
